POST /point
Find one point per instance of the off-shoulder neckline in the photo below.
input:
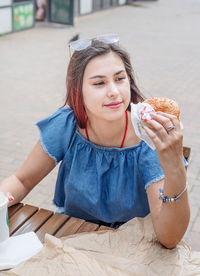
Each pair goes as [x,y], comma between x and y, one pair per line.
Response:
[106,148]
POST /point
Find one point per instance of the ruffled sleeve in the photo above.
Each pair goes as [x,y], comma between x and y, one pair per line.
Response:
[56,132]
[149,165]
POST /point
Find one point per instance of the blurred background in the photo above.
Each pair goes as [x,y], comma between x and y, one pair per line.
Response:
[162,37]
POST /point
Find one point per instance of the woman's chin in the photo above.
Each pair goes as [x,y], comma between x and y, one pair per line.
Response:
[115,114]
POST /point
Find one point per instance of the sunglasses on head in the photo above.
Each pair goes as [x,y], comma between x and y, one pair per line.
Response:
[81,44]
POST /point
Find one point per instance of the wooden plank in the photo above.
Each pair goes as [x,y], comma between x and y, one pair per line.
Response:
[34,222]
[52,225]
[103,227]
[20,217]
[88,227]
[13,209]
[70,227]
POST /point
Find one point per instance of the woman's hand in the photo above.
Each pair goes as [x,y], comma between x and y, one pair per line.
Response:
[165,131]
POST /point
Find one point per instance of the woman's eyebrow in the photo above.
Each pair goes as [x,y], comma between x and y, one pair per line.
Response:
[102,76]
[97,76]
[119,72]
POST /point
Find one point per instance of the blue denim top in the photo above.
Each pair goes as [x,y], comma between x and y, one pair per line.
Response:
[97,183]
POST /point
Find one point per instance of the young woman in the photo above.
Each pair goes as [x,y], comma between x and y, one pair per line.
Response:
[107,175]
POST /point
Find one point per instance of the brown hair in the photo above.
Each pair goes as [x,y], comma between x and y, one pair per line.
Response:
[75,72]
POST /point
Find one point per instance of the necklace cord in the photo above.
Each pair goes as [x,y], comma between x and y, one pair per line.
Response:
[125,132]
[86,132]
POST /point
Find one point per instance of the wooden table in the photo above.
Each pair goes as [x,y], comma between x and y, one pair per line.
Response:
[26,218]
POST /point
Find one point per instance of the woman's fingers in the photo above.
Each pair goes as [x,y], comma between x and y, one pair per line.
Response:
[164,124]
[154,137]
[164,130]
[172,118]
[157,129]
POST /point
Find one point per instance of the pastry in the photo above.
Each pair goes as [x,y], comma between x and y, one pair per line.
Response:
[165,105]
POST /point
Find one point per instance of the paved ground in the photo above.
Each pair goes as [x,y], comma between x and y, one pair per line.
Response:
[163,38]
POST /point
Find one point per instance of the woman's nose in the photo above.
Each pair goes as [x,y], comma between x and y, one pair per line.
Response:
[112,90]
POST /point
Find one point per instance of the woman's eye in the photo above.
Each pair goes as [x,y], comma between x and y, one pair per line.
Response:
[119,79]
[99,83]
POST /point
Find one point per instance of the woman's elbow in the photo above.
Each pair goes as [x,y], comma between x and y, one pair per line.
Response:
[169,244]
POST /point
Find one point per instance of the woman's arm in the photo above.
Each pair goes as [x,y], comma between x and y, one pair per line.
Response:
[170,219]
[37,165]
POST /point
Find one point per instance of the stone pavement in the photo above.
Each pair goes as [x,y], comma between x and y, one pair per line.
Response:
[163,38]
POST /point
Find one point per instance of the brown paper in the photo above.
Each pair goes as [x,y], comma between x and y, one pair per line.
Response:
[131,250]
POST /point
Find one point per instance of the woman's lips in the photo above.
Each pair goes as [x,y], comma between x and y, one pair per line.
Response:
[114,105]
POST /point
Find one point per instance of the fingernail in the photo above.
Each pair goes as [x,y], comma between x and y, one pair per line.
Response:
[10,197]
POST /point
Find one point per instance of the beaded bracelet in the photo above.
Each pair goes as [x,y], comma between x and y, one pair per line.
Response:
[171,199]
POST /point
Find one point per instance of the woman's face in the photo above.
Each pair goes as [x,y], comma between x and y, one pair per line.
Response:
[106,87]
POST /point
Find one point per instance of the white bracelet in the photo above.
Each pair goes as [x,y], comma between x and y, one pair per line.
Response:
[171,199]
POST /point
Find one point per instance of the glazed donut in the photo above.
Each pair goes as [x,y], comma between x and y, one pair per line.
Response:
[165,105]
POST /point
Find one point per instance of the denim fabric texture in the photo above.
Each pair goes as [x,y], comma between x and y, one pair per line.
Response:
[97,183]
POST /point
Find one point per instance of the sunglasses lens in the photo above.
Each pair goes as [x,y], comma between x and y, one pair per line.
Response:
[82,44]
[79,45]
[108,38]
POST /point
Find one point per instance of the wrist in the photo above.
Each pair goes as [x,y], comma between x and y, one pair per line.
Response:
[172,170]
